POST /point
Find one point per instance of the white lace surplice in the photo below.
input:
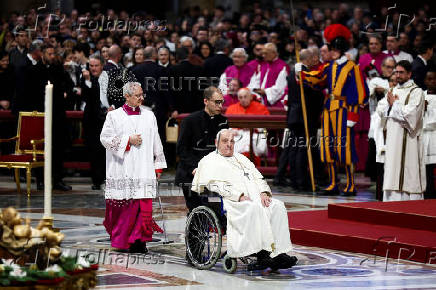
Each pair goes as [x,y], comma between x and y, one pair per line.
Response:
[131,174]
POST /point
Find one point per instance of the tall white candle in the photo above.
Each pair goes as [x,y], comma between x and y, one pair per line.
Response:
[47,149]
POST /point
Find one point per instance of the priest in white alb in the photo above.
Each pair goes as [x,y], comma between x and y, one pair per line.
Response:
[134,162]
[404,177]
[256,222]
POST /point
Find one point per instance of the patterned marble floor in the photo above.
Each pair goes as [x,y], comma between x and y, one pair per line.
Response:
[79,214]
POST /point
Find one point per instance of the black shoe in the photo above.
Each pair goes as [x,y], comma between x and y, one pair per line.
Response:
[120,250]
[326,192]
[96,187]
[61,186]
[263,261]
[349,193]
[283,261]
[138,247]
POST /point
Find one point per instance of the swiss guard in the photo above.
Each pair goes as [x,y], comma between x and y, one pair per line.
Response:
[347,92]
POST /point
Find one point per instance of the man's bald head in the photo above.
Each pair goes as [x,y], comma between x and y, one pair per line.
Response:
[150,53]
[306,57]
[114,53]
[269,52]
[245,97]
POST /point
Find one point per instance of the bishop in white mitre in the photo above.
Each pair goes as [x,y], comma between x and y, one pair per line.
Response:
[404,177]
[256,222]
[134,161]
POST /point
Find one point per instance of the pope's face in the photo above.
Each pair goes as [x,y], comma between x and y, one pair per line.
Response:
[226,144]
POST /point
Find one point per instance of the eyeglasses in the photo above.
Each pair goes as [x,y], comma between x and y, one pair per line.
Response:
[389,66]
[218,102]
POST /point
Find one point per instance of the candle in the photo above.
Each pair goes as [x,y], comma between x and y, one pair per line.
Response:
[47,149]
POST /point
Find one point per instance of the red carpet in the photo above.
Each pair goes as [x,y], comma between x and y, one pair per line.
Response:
[399,229]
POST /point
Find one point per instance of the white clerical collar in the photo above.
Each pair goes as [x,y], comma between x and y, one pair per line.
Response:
[112,62]
[164,65]
[34,62]
[341,60]
[423,59]
[407,84]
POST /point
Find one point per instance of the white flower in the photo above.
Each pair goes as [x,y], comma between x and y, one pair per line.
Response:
[54,268]
[17,272]
[83,262]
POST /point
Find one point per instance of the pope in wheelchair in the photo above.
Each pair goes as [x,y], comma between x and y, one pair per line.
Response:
[257,224]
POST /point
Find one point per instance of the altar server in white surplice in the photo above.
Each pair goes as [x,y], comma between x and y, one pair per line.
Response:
[429,133]
[256,223]
[134,160]
[404,177]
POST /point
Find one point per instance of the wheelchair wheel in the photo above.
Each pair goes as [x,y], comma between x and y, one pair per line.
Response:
[229,264]
[203,238]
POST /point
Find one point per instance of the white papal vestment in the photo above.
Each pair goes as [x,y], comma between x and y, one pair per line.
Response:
[404,177]
[251,227]
[131,174]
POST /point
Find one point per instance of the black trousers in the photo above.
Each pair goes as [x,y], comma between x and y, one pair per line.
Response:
[430,191]
[298,158]
[380,171]
[97,158]
[192,198]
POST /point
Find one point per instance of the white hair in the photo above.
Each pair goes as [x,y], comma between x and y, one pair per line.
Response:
[184,38]
[129,87]
[241,50]
[218,135]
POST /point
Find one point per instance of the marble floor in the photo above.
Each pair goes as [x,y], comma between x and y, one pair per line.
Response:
[79,215]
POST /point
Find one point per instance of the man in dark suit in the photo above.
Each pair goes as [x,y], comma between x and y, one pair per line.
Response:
[420,63]
[29,94]
[114,58]
[185,84]
[93,120]
[197,139]
[155,84]
[295,151]
[55,73]
[215,65]
[18,55]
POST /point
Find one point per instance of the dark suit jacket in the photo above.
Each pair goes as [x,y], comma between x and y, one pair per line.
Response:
[184,84]
[30,81]
[109,66]
[155,84]
[216,65]
[196,140]
[419,71]
[314,101]
[92,116]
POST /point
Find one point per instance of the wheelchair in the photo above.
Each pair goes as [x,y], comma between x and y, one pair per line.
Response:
[205,228]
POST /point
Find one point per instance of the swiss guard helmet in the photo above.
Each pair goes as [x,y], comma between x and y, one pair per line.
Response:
[337,37]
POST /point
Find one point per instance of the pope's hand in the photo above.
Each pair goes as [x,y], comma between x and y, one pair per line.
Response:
[243,198]
[193,171]
[265,199]
[135,140]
